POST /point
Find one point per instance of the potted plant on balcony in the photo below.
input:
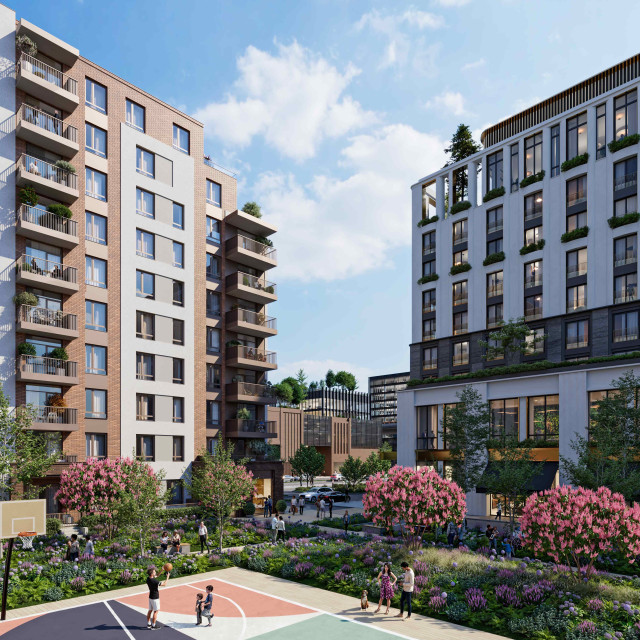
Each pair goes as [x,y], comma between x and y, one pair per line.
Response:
[27,349]
[60,210]
[260,448]
[28,196]
[57,405]
[24,44]
[244,414]
[60,354]
[25,298]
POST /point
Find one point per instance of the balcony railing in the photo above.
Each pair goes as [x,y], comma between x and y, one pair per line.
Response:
[252,317]
[622,259]
[629,296]
[48,366]
[627,180]
[430,335]
[47,122]
[247,280]
[250,389]
[457,300]
[533,314]
[460,237]
[48,171]
[578,304]
[214,165]
[533,212]
[533,282]
[47,268]
[256,426]
[428,308]
[460,360]
[429,365]
[55,415]
[576,198]
[577,270]
[577,344]
[461,328]
[47,220]
[252,353]
[47,317]
[428,249]
[48,73]
[495,291]
[428,443]
[495,226]
[624,335]
[257,247]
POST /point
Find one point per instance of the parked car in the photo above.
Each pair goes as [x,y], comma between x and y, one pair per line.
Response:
[288,478]
[336,496]
[312,494]
[337,477]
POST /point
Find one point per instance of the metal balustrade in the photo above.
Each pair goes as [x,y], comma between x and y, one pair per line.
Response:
[47,220]
[47,122]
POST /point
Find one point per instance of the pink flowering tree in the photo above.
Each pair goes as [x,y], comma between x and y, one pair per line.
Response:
[414,498]
[570,523]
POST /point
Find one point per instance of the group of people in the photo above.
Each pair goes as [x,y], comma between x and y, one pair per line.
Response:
[387,580]
[297,503]
[509,542]
[73,548]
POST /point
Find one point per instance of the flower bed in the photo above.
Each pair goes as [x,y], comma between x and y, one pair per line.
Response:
[356,521]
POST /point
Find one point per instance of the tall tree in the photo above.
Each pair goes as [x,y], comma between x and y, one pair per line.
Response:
[347,380]
[330,379]
[301,377]
[467,427]
[375,464]
[608,456]
[354,471]
[283,393]
[462,146]
[511,337]
[298,391]
[308,462]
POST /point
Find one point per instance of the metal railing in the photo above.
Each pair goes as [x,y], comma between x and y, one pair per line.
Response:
[47,73]
[214,165]
[252,353]
[251,317]
[460,300]
[460,237]
[429,249]
[580,303]
[47,122]
[430,335]
[623,335]
[579,269]
[495,226]
[255,247]
[47,220]
[428,308]
[625,259]
[48,366]
[47,317]
[630,296]
[47,268]
[533,212]
[461,328]
[533,282]
[55,415]
[495,291]
[577,198]
[429,365]
[533,315]
[627,180]
[247,280]
[249,389]
[460,360]
[429,443]
[255,426]
[49,171]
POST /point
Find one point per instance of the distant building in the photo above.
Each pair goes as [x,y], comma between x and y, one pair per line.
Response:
[337,402]
[383,399]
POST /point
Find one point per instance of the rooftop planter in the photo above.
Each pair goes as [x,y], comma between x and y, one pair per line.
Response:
[425,279]
[459,268]
[620,221]
[574,162]
[426,221]
[457,207]
[582,232]
[623,143]
[530,248]
[492,258]
[536,177]
[493,193]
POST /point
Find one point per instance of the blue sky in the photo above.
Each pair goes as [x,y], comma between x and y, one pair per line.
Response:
[330,110]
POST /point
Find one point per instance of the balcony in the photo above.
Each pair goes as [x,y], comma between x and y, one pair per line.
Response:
[48,44]
[54,419]
[44,130]
[429,335]
[249,223]
[461,328]
[625,181]
[46,322]
[251,358]
[45,274]
[458,300]
[428,308]
[46,83]
[625,296]
[250,429]
[576,198]
[47,370]
[59,466]
[534,314]
[494,226]
[536,281]
[460,237]
[47,179]
[250,252]
[44,226]
[577,305]
[251,288]
[251,323]
[249,392]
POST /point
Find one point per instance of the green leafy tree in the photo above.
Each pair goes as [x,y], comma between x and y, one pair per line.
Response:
[308,462]
[253,209]
[299,393]
[462,146]
[511,337]
[330,379]
[301,377]
[375,464]
[608,456]
[313,386]
[283,393]
[354,471]
[467,426]
[347,380]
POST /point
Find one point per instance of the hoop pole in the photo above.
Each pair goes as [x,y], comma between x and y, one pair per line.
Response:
[5,584]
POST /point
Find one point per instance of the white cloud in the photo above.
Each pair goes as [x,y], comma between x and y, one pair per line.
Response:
[448,102]
[317,369]
[524,103]
[476,64]
[294,98]
[390,24]
[331,228]
[452,3]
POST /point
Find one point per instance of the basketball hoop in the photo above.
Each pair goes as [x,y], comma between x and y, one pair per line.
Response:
[26,538]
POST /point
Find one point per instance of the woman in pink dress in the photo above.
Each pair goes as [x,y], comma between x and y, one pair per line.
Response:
[386,579]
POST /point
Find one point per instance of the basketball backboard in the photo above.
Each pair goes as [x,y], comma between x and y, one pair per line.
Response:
[22,515]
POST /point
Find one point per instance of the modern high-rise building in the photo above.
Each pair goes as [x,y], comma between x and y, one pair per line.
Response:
[146,333]
[337,402]
[383,397]
[541,224]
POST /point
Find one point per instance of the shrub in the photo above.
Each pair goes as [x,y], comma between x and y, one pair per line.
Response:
[475,599]
[78,583]
[457,611]
[459,268]
[492,258]
[568,236]
[544,617]
[536,177]
[457,207]
[270,289]
[249,509]
[253,209]
[426,221]
[28,46]
[25,297]
[28,196]
[65,166]
[627,218]
[27,349]
[256,563]
[59,353]
[623,143]
[53,526]
[430,278]
[264,240]
[530,248]
[281,506]
[53,594]
[493,193]
[243,413]
[60,210]
[574,162]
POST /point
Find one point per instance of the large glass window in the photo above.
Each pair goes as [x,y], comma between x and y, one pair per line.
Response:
[429,243]
[577,262]
[146,448]
[577,297]
[178,254]
[505,418]
[459,231]
[145,406]
[494,315]
[515,165]
[40,396]
[145,325]
[95,272]
[145,203]
[461,257]
[494,220]
[534,342]
[533,206]
[95,95]
[494,246]
[533,307]
[626,114]
[625,250]
[429,358]
[555,150]
[625,288]
[145,162]
[494,170]
[95,405]
[178,371]
[429,329]
[213,413]
[625,326]
[95,315]
[429,268]
[178,448]
[532,155]
[145,284]
[213,304]
[601,131]
[95,359]
[178,293]
[494,284]
[213,339]
[213,266]
[135,115]
[460,353]
[460,292]
[576,191]
[178,216]
[533,274]
[533,235]
[95,228]
[95,140]
[180,139]
[213,230]
[577,135]
[95,184]
[543,417]
[460,323]
[576,221]
[96,445]
[145,244]
[577,334]
[625,174]
[178,331]
[622,206]
[145,366]
[214,193]
[214,376]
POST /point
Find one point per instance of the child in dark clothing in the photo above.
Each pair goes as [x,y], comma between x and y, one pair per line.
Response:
[199,604]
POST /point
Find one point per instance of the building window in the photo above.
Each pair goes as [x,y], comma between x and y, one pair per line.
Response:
[135,115]
[533,235]
[555,150]
[213,304]
[533,206]
[214,376]
[625,326]
[145,325]
[577,135]
[494,284]
[534,342]
[533,307]
[213,339]
[95,315]
[576,191]
[429,243]
[145,244]
[145,285]
[625,250]
[429,268]
[145,366]
[211,445]
[145,203]
[180,139]
[625,205]
[145,162]
[601,131]
[460,292]
[176,491]
[577,334]
[146,448]
[459,231]
[96,445]
[95,184]
[178,331]
[576,221]
[95,404]
[533,274]
[460,323]
[428,301]
[95,95]
[95,272]
[625,288]
[505,416]
[213,413]
[178,371]
[145,407]
[178,448]
[494,220]
[494,246]
[95,140]
[460,353]
[460,257]
[430,358]
[214,193]
[429,329]
[95,228]
[625,174]
[95,359]
[494,170]
[577,262]
[178,216]
[543,417]
[178,293]
[178,254]
[626,115]
[577,297]
[213,267]
[515,165]
[494,315]
[532,155]
[213,230]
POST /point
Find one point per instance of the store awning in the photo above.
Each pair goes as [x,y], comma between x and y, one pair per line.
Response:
[541,481]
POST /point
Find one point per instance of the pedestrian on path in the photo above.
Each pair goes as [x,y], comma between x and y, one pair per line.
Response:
[407,590]
[301,504]
[294,505]
[280,528]
[452,530]
[203,533]
[88,548]
[508,549]
[274,528]
[387,580]
[323,508]
[154,596]
[265,507]
[330,501]
[208,603]
[498,511]
[345,521]
[317,509]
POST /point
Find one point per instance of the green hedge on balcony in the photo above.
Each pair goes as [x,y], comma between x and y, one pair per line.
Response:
[425,279]
[627,218]
[582,232]
[536,177]
[457,207]
[623,143]
[459,268]
[425,221]
[574,162]
[492,258]
[493,193]
[530,248]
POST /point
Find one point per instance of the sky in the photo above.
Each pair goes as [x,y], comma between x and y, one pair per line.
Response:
[329,110]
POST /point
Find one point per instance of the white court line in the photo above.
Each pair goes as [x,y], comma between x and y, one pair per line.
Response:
[113,613]
[235,604]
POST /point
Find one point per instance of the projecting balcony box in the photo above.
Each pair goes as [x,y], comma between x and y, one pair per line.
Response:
[249,392]
[251,323]
[248,287]
[45,274]
[544,478]
[249,223]
[251,358]
[46,322]
[55,419]
[46,83]
[47,179]
[250,429]
[44,226]
[251,252]
[46,131]
[48,44]
[52,371]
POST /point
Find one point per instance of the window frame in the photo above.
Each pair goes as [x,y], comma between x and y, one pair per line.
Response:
[140,280]
[130,112]
[95,415]
[90,181]
[533,143]
[178,129]
[91,103]
[210,190]
[93,261]
[89,216]
[495,170]
[573,144]
[95,327]
[142,158]
[92,128]
[555,150]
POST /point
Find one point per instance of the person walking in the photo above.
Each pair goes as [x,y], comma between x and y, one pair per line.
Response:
[265,506]
[345,521]
[208,603]
[452,530]
[73,547]
[203,533]
[387,580]
[154,595]
[280,528]
[498,511]
[330,501]
[408,580]
[323,508]
[88,548]
[301,504]
[317,509]
[270,501]
[294,505]
[274,528]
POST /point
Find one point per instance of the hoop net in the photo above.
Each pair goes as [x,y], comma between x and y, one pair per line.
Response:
[26,538]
